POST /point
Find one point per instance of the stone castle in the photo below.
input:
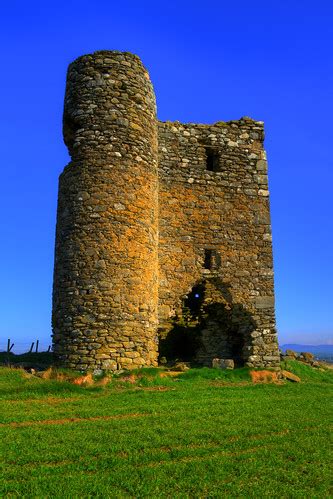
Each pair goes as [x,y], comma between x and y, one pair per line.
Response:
[163,241]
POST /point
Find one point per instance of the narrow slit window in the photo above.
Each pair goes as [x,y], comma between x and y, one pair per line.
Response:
[212,160]
[208,259]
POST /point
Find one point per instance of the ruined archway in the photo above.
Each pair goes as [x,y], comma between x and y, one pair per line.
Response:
[182,341]
[208,326]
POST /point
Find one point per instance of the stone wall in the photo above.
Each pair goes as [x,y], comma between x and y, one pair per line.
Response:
[106,269]
[214,231]
[152,217]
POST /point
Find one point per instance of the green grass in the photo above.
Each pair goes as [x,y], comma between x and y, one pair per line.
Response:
[306,372]
[205,373]
[206,433]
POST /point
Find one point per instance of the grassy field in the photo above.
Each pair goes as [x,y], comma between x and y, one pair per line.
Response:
[206,433]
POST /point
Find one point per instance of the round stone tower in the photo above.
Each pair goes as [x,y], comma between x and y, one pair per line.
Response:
[105,293]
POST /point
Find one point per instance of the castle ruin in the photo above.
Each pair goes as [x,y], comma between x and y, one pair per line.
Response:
[163,241]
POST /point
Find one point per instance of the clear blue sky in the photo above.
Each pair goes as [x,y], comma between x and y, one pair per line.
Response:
[209,61]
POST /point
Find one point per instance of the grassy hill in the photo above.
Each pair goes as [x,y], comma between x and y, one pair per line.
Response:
[204,433]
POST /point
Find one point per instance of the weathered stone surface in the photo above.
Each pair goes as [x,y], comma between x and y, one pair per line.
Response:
[291,353]
[147,212]
[290,376]
[223,363]
[307,356]
[181,366]
[263,302]
[106,263]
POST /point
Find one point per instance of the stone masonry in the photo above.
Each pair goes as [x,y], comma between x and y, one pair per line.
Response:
[163,229]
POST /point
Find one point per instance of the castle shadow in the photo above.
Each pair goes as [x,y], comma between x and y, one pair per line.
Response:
[210,326]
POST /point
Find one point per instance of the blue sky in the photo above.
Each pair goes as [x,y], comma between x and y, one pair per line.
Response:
[209,61]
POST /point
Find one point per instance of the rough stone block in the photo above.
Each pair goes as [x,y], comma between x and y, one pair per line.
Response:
[262,302]
[291,353]
[290,376]
[223,363]
[109,365]
[307,356]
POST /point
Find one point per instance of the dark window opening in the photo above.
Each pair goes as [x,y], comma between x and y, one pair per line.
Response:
[70,127]
[212,259]
[212,160]
[236,348]
[183,340]
[208,259]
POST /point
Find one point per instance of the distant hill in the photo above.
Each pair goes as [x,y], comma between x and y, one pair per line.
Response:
[328,349]
[322,352]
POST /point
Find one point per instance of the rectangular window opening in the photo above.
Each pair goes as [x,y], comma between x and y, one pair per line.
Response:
[212,160]
[208,259]
[212,259]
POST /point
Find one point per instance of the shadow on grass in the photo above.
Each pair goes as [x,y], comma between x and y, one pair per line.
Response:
[33,359]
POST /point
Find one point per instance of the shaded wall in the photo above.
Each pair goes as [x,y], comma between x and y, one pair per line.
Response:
[217,218]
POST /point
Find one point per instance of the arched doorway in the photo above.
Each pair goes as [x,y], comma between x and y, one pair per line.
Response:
[209,326]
